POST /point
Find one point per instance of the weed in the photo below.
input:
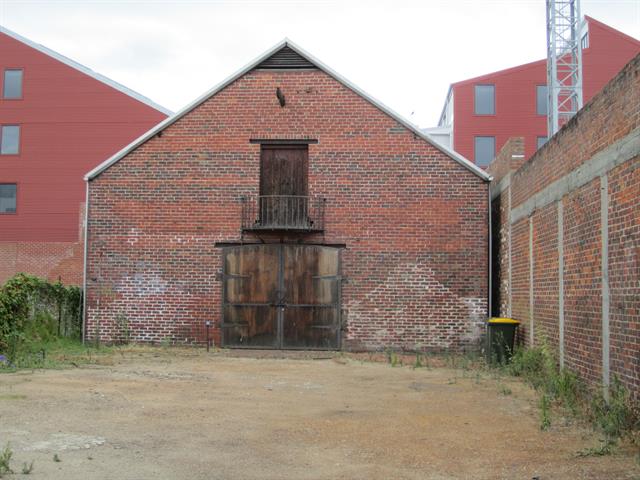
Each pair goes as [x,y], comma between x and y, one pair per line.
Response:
[5,460]
[504,390]
[393,358]
[122,322]
[605,448]
[33,309]
[545,414]
[12,396]
[616,416]
[27,469]
[165,342]
[56,458]
[418,362]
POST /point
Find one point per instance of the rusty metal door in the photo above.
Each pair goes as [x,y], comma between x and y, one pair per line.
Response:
[281,296]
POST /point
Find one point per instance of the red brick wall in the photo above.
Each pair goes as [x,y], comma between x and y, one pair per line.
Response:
[51,260]
[606,128]
[582,281]
[545,274]
[414,222]
[520,300]
[624,271]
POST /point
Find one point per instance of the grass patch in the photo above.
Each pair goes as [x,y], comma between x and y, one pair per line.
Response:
[617,417]
[504,390]
[12,396]
[5,459]
[605,448]
[56,353]
[27,468]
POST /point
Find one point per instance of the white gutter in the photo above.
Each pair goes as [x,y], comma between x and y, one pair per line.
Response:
[84,272]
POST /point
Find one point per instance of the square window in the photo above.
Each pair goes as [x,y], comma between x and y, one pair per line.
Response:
[485,100]
[484,150]
[541,141]
[8,197]
[9,139]
[542,99]
[12,84]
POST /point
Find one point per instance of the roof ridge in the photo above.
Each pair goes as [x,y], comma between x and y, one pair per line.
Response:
[615,31]
[85,70]
[286,42]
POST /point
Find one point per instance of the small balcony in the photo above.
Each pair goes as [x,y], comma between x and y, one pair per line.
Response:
[283,213]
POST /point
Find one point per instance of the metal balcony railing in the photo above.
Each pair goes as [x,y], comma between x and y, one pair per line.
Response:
[283,212]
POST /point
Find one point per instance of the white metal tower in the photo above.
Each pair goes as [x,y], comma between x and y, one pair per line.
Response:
[564,62]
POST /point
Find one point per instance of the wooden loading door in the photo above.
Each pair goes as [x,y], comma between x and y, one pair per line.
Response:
[281,296]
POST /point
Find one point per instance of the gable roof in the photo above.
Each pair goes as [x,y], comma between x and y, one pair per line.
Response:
[87,71]
[289,45]
[611,30]
[507,71]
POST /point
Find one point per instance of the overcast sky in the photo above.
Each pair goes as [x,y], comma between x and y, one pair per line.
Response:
[404,53]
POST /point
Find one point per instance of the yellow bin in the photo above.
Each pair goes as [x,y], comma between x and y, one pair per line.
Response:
[501,335]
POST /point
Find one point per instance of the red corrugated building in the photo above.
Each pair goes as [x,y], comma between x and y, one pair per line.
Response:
[58,119]
[482,113]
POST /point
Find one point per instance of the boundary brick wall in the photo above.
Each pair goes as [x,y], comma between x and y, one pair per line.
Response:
[566,222]
[413,221]
[50,260]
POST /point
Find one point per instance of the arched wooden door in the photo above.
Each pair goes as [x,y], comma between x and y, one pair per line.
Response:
[281,296]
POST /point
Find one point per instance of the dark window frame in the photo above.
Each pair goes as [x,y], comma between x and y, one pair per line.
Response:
[475,100]
[546,100]
[475,150]
[546,139]
[11,154]
[15,210]
[4,78]
[584,41]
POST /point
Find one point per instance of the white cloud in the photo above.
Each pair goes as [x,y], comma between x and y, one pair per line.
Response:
[405,53]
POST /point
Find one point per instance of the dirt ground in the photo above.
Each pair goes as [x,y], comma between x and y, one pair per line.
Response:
[185,414]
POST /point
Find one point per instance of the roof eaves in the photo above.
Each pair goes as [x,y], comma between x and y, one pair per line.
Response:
[498,73]
[612,30]
[181,113]
[86,70]
[396,116]
[250,66]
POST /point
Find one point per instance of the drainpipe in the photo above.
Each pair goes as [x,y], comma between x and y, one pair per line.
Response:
[489,266]
[84,263]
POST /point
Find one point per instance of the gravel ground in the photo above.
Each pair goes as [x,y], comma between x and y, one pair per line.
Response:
[185,414]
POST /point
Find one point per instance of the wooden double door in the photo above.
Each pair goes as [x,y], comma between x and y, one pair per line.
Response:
[281,296]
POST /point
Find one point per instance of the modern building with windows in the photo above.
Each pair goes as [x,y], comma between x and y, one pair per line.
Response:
[58,119]
[480,114]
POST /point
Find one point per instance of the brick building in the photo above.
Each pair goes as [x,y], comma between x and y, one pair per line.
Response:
[292,210]
[566,237]
[58,119]
[480,114]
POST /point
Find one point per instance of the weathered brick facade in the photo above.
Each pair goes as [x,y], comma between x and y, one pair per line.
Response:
[413,221]
[51,260]
[572,213]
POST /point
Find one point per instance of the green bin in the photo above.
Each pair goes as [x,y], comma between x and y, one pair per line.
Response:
[501,335]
